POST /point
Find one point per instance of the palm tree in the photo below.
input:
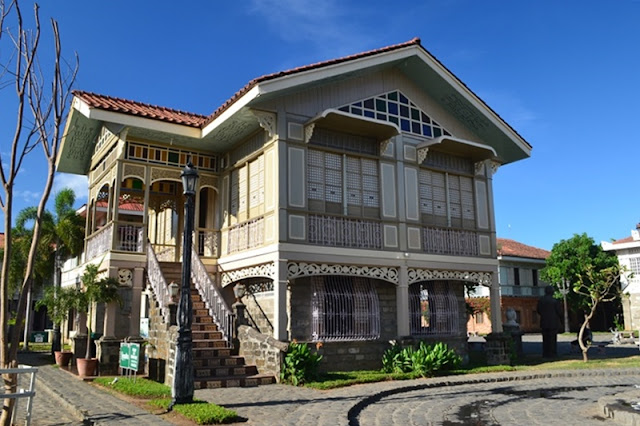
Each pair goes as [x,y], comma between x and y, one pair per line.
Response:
[62,237]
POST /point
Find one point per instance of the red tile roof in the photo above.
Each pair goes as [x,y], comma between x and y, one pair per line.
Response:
[141,109]
[513,248]
[624,240]
[2,240]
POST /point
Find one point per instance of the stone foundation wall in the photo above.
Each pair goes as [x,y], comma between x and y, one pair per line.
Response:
[160,349]
[261,350]
[260,310]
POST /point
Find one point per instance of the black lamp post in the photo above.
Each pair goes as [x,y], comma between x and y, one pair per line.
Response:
[182,390]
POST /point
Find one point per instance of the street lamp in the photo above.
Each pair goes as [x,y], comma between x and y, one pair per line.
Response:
[565,290]
[182,390]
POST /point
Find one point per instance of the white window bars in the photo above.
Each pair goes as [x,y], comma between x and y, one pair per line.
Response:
[344,308]
[433,309]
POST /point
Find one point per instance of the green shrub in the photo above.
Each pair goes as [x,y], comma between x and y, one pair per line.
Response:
[426,360]
[300,364]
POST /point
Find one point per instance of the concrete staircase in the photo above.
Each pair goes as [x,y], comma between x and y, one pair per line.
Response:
[214,364]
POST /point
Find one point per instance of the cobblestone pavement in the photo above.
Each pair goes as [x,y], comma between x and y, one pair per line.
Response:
[62,398]
[488,399]
[549,397]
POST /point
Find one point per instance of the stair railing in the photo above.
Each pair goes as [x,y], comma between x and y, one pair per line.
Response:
[211,296]
[158,284]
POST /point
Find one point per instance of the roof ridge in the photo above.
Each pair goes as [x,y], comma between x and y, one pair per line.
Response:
[303,68]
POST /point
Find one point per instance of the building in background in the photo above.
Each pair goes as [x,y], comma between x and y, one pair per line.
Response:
[628,252]
[520,287]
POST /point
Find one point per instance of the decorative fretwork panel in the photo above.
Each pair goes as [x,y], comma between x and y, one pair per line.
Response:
[99,242]
[433,309]
[208,243]
[246,236]
[450,163]
[450,242]
[396,108]
[344,232]
[344,141]
[303,269]
[344,308]
[137,151]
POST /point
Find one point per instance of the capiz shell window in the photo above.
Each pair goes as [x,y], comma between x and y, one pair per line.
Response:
[344,308]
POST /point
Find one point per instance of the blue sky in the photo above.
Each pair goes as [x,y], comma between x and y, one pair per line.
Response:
[564,74]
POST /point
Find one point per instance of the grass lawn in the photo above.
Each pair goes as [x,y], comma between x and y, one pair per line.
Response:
[158,395]
[477,364]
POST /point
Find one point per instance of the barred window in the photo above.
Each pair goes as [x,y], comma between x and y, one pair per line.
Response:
[433,309]
[344,308]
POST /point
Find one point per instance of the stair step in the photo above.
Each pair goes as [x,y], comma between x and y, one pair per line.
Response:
[225,371]
[232,382]
[209,344]
[214,366]
[202,353]
[197,326]
[230,361]
[206,335]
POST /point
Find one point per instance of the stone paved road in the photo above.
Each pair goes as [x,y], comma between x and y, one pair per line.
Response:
[494,399]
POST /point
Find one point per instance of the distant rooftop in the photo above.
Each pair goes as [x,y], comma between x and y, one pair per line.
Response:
[507,247]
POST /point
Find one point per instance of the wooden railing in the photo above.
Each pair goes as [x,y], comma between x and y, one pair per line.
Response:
[246,235]
[158,284]
[450,241]
[344,232]
[212,297]
[208,240]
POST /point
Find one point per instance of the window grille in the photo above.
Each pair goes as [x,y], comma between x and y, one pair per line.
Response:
[446,199]
[433,309]
[344,308]
[634,265]
[339,182]
[256,182]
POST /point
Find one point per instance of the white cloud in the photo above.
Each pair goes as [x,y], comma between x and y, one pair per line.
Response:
[77,183]
[29,197]
[511,108]
[329,25]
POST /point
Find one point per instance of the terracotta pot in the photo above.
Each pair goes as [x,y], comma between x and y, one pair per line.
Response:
[87,367]
[63,358]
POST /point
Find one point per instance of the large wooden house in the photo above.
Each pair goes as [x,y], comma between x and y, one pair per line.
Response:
[353,198]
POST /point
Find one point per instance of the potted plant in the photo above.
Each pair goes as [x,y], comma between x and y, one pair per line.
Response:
[58,304]
[94,291]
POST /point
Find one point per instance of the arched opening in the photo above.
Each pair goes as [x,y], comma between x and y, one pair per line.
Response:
[207,223]
[131,215]
[100,209]
[164,219]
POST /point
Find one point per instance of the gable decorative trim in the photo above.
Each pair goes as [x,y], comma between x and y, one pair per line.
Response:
[267,270]
[302,269]
[267,121]
[417,275]
[422,154]
[308,132]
